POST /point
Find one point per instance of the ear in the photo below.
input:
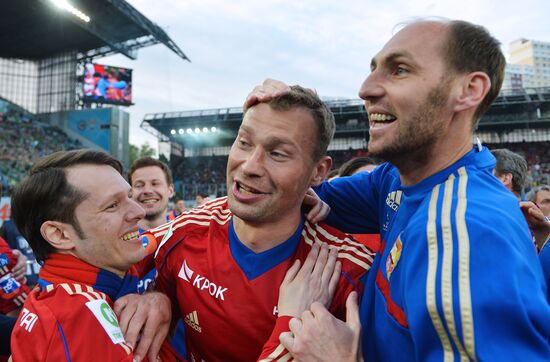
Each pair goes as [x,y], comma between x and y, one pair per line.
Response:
[474,88]
[59,234]
[321,170]
[171,189]
[506,179]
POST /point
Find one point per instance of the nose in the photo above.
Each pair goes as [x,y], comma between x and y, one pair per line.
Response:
[254,163]
[146,189]
[371,88]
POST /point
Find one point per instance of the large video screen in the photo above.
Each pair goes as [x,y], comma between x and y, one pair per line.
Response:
[107,84]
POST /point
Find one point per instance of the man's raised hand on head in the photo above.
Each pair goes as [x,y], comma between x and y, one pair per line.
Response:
[269,89]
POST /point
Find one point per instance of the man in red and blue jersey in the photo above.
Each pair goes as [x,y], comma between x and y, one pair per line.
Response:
[76,211]
[222,264]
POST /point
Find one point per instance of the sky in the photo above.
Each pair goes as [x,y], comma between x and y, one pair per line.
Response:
[325,45]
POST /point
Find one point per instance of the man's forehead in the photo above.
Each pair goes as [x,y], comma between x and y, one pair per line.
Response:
[148,172]
[413,37]
[89,178]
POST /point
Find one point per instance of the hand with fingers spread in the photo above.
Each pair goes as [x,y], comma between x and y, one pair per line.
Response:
[269,89]
[319,209]
[147,318]
[319,336]
[315,281]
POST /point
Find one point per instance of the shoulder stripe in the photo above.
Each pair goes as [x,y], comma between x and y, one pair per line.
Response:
[464,267]
[447,267]
[216,202]
[77,291]
[342,255]
[352,245]
[431,277]
[97,293]
[199,218]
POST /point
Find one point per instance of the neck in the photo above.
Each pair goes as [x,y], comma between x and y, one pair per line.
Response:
[445,151]
[263,236]
[93,263]
[147,224]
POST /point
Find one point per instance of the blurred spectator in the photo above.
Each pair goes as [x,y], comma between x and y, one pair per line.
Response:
[540,196]
[201,199]
[511,169]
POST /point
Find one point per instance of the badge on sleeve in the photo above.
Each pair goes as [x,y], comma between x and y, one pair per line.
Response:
[393,257]
[107,318]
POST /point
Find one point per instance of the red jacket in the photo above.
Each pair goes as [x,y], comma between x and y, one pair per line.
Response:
[66,319]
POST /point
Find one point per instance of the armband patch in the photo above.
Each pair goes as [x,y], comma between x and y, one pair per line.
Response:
[107,318]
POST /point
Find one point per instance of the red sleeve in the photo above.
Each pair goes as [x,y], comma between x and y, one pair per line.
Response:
[61,327]
[273,350]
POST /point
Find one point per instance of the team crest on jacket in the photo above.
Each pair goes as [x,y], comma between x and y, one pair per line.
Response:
[393,257]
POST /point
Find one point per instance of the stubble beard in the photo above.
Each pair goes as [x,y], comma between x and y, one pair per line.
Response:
[151,216]
[414,140]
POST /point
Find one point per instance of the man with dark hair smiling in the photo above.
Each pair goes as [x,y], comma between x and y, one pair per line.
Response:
[76,212]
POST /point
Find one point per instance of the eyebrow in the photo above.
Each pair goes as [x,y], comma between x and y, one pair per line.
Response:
[391,57]
[113,196]
[271,141]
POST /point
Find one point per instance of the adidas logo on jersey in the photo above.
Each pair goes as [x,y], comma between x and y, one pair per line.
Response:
[394,199]
[192,319]
[201,282]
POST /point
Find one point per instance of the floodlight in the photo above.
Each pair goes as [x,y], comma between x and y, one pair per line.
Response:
[213,129]
[189,131]
[205,130]
[64,4]
[180,131]
[197,130]
[173,131]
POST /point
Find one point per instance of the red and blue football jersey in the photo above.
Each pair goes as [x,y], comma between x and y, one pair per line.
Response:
[227,295]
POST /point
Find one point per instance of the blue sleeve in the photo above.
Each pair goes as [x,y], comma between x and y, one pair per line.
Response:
[544,258]
[354,202]
[474,290]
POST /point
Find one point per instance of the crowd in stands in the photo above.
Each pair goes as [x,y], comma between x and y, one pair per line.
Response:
[200,175]
[206,174]
[22,141]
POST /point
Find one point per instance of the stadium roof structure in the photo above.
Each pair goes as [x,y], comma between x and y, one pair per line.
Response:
[511,109]
[38,29]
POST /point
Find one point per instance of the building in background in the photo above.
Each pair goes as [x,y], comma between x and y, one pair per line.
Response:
[529,65]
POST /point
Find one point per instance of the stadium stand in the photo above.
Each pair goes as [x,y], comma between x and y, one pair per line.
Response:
[24,139]
[518,120]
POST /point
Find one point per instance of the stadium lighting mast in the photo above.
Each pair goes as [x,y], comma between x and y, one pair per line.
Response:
[65,5]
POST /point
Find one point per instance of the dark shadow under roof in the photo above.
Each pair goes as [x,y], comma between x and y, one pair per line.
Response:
[37,29]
